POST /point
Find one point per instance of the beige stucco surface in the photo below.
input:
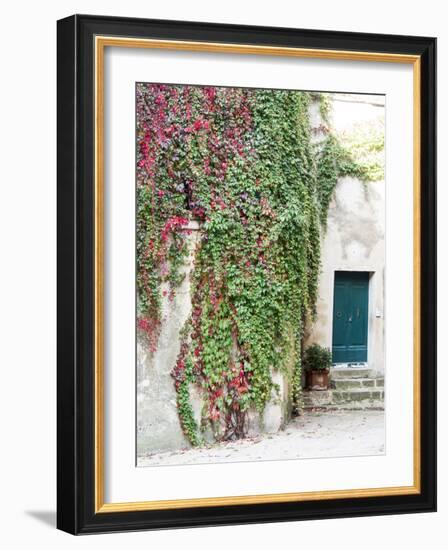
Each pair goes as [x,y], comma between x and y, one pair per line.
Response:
[158,425]
[354,239]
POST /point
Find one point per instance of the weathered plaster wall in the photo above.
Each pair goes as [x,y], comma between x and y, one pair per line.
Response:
[158,426]
[355,236]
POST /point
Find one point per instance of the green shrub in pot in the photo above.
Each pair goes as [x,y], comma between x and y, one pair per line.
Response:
[317,362]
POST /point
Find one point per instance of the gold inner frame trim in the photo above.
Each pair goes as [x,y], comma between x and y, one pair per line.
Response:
[101,42]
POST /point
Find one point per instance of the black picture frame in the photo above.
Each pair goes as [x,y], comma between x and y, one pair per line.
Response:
[76,512]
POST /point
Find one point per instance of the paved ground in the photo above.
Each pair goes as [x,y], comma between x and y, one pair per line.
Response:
[313,435]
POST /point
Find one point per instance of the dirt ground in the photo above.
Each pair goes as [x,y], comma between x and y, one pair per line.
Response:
[313,435]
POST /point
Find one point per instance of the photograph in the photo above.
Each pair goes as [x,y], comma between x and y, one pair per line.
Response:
[260,268]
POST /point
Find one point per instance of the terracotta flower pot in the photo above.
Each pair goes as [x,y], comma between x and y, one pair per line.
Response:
[317,379]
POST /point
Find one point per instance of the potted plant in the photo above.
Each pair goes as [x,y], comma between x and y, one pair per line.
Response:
[317,363]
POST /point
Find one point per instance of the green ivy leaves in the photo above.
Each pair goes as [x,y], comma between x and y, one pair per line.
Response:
[242,163]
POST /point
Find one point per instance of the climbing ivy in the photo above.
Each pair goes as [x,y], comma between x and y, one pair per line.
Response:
[366,145]
[243,164]
[333,161]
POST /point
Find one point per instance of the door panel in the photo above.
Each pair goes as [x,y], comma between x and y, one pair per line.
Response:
[350,316]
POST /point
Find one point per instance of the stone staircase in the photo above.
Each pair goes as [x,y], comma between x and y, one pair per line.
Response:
[351,388]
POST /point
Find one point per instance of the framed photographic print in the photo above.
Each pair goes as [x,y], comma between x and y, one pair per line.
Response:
[246,274]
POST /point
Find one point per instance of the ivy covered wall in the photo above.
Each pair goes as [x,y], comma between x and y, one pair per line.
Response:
[243,164]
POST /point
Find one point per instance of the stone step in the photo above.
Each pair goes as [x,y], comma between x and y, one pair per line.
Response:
[344,373]
[343,396]
[353,406]
[351,383]
[366,396]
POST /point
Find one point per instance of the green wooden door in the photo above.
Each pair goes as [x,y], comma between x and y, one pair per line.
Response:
[350,316]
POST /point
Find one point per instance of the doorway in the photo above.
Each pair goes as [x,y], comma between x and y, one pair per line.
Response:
[350,316]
